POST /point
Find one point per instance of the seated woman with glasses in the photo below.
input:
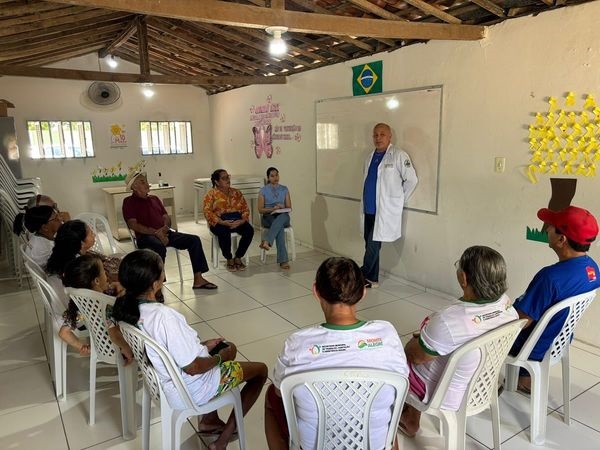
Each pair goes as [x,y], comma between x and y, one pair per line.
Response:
[207,368]
[227,212]
[274,203]
[42,222]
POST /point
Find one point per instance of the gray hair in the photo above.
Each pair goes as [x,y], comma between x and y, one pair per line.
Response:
[485,270]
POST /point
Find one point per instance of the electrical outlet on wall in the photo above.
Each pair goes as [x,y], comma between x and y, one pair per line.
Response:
[499,164]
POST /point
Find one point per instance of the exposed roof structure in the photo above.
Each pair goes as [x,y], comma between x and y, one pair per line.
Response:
[221,45]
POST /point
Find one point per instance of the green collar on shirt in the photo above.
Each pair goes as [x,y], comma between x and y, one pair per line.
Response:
[480,301]
[332,326]
[143,300]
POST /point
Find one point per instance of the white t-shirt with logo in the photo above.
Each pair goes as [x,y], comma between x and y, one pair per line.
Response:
[447,330]
[169,328]
[39,249]
[374,344]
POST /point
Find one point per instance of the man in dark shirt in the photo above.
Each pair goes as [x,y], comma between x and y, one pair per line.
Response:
[146,215]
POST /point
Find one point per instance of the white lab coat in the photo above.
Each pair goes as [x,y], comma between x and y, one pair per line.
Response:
[396,181]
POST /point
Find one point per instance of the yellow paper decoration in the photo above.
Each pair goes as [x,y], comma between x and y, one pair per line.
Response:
[553,167]
[539,120]
[572,118]
[581,170]
[590,102]
[562,118]
[591,170]
[570,100]
[550,121]
[537,156]
[531,169]
[568,169]
[584,118]
[553,104]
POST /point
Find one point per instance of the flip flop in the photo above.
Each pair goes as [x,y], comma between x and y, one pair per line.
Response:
[404,431]
[231,267]
[285,266]
[214,431]
[264,246]
[207,285]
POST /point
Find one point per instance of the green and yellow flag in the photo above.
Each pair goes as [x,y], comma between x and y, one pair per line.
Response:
[367,78]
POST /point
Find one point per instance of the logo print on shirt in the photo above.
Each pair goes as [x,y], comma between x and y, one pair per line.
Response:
[314,350]
[370,343]
[591,273]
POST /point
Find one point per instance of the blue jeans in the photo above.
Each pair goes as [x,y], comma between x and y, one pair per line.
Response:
[370,267]
[275,224]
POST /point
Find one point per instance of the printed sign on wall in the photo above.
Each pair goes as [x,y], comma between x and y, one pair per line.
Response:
[118,138]
[269,124]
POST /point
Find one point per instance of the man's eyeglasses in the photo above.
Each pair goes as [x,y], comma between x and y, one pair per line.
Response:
[226,177]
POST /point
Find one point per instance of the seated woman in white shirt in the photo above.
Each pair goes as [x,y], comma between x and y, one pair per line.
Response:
[272,197]
[208,368]
[484,306]
[42,222]
[338,287]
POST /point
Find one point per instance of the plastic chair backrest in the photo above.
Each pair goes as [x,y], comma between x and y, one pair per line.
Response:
[344,398]
[139,341]
[493,346]
[93,305]
[132,237]
[93,220]
[577,306]
[50,298]
[32,264]
[8,208]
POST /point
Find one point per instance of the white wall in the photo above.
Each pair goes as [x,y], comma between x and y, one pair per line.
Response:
[491,89]
[69,181]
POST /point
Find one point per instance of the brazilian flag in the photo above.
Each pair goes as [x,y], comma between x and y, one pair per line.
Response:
[367,78]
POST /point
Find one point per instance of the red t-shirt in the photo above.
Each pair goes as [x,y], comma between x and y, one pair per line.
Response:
[148,211]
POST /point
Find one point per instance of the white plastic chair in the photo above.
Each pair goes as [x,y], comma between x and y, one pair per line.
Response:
[173,419]
[215,249]
[344,398]
[134,242]
[56,347]
[93,220]
[482,390]
[540,370]
[32,264]
[93,306]
[290,243]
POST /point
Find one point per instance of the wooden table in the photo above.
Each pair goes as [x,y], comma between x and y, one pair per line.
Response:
[113,199]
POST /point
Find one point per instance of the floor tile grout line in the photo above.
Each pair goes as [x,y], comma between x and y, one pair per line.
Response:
[585,425]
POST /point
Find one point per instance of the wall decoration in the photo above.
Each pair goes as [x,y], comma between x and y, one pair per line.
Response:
[565,140]
[9,147]
[118,137]
[563,191]
[269,124]
[115,173]
[367,78]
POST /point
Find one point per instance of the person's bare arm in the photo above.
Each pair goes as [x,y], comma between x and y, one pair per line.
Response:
[522,315]
[202,365]
[415,353]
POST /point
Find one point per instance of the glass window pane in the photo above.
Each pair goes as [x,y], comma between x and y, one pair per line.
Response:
[89,146]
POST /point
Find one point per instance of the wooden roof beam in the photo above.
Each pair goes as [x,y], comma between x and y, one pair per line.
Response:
[491,7]
[120,40]
[248,16]
[69,74]
[434,11]
[366,5]
[311,6]
[142,37]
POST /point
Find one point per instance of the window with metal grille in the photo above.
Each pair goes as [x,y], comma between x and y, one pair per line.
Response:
[60,139]
[166,138]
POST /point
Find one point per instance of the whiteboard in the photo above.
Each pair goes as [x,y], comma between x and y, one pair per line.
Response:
[344,139]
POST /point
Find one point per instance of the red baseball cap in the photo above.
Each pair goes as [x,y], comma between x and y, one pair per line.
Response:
[577,224]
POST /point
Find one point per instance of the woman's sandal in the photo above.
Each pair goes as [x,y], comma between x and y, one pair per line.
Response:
[285,265]
[265,245]
[239,265]
[231,266]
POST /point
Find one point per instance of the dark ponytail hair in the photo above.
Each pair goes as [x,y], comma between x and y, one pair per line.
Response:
[33,219]
[80,273]
[137,272]
[214,177]
[67,245]
[340,280]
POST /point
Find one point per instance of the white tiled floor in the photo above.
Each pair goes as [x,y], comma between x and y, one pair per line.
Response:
[257,309]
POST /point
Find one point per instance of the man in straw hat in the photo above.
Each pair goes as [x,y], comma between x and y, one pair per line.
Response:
[146,215]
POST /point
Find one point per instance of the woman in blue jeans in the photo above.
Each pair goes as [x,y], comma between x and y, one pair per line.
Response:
[271,198]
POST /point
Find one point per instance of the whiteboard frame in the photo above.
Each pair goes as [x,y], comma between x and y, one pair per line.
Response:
[399,91]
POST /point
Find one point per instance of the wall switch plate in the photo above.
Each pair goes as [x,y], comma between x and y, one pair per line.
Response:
[499,164]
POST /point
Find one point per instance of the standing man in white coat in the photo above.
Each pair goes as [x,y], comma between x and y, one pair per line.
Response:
[389,180]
